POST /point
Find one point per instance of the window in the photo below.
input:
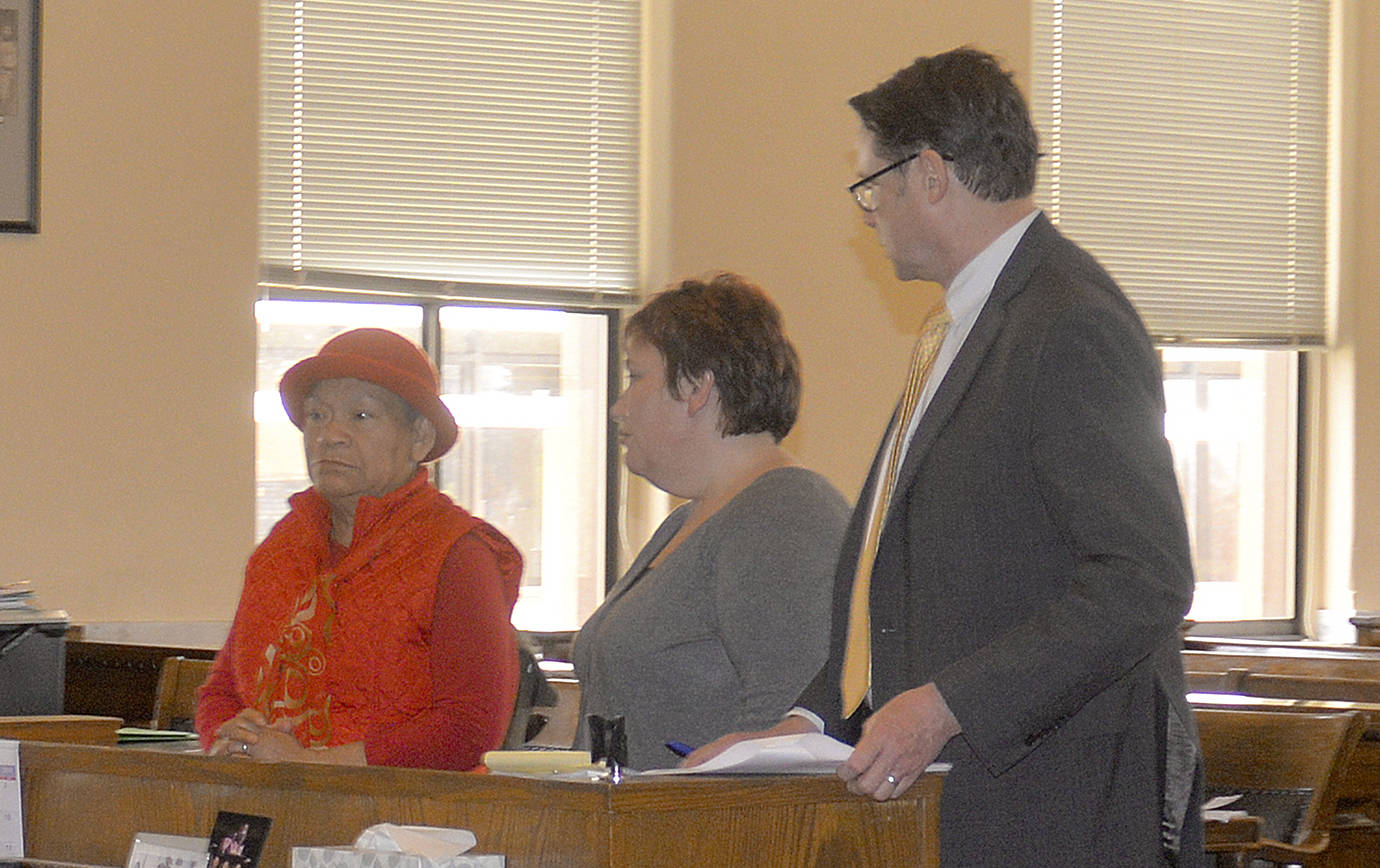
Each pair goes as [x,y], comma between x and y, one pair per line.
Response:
[464,173]
[1231,421]
[1187,149]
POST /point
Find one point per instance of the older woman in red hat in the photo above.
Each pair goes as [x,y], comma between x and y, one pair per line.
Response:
[374,623]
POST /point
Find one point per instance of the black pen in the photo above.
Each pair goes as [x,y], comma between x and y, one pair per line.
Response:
[679,748]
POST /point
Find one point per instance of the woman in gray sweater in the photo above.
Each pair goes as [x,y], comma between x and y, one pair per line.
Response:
[723,617]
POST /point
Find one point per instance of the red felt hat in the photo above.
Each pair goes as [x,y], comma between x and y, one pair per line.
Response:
[380,357]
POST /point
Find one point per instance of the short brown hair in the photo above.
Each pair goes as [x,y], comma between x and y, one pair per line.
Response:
[963,105]
[728,327]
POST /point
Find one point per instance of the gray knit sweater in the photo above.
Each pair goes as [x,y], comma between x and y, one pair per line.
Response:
[727,630]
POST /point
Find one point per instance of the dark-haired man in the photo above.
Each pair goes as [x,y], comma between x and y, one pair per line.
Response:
[1017,566]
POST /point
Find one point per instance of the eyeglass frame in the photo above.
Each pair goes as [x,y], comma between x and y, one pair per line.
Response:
[862,188]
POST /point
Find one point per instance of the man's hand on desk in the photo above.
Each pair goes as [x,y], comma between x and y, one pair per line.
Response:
[899,742]
[788,726]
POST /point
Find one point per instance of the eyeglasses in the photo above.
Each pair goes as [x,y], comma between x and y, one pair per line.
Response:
[865,189]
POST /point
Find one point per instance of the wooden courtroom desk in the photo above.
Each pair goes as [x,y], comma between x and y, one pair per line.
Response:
[84,805]
[65,728]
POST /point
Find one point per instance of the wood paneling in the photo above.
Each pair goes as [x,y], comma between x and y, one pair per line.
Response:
[761,821]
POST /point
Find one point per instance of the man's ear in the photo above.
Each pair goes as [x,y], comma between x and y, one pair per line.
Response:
[933,174]
[423,437]
[699,392]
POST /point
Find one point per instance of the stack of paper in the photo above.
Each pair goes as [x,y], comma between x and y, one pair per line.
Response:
[810,753]
[16,596]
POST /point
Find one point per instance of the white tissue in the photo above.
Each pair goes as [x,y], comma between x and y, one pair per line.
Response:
[430,842]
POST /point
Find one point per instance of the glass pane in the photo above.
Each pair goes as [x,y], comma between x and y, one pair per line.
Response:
[289,331]
[1232,424]
[529,389]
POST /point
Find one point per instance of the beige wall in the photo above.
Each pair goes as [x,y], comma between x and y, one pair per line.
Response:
[762,150]
[762,153]
[1358,388]
[126,325]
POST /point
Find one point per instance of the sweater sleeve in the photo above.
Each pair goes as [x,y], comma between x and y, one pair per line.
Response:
[772,581]
[474,664]
[217,700]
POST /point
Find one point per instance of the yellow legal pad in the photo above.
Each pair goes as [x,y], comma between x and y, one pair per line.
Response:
[539,762]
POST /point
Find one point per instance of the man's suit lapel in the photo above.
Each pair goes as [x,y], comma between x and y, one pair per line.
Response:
[1010,282]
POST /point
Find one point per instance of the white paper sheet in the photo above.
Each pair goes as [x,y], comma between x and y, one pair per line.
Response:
[11,807]
[810,753]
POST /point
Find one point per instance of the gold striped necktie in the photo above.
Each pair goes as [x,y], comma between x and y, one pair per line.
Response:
[857,658]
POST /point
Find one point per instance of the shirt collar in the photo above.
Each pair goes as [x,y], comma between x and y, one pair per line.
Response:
[973,284]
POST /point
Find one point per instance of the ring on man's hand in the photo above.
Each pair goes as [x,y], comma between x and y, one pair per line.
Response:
[891,779]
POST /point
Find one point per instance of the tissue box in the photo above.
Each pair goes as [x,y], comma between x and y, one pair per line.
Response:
[349,857]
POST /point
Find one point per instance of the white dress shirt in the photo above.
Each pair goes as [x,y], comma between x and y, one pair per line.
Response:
[965,298]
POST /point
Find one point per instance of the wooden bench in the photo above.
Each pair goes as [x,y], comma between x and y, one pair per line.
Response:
[1308,659]
[1288,769]
[1356,823]
[118,680]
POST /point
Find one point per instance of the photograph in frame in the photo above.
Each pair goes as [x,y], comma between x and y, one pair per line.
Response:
[237,840]
[19,67]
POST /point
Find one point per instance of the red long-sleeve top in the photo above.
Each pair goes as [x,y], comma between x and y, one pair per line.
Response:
[404,637]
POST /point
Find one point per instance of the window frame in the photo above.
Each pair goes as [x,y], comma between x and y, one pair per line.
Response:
[1282,628]
[1056,58]
[431,297]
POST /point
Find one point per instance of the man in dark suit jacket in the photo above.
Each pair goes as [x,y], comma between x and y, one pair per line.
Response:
[1033,565]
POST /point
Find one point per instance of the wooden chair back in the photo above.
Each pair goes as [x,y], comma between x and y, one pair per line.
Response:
[532,691]
[561,718]
[1267,754]
[1214,682]
[174,706]
[1307,687]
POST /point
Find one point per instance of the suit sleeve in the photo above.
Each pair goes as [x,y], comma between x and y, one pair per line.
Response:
[1101,470]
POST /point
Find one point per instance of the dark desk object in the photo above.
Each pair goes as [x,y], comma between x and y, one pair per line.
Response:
[31,661]
[118,679]
[1289,769]
[559,719]
[1367,626]
[1233,842]
[765,821]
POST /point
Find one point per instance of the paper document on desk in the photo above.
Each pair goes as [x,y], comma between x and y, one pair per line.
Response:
[1215,809]
[810,753]
[11,811]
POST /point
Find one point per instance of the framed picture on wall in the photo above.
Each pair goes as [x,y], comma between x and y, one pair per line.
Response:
[19,115]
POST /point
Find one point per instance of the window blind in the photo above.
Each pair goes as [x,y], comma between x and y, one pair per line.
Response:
[450,142]
[1186,148]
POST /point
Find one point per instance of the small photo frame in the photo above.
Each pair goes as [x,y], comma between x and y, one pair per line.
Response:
[237,840]
[19,68]
[166,851]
